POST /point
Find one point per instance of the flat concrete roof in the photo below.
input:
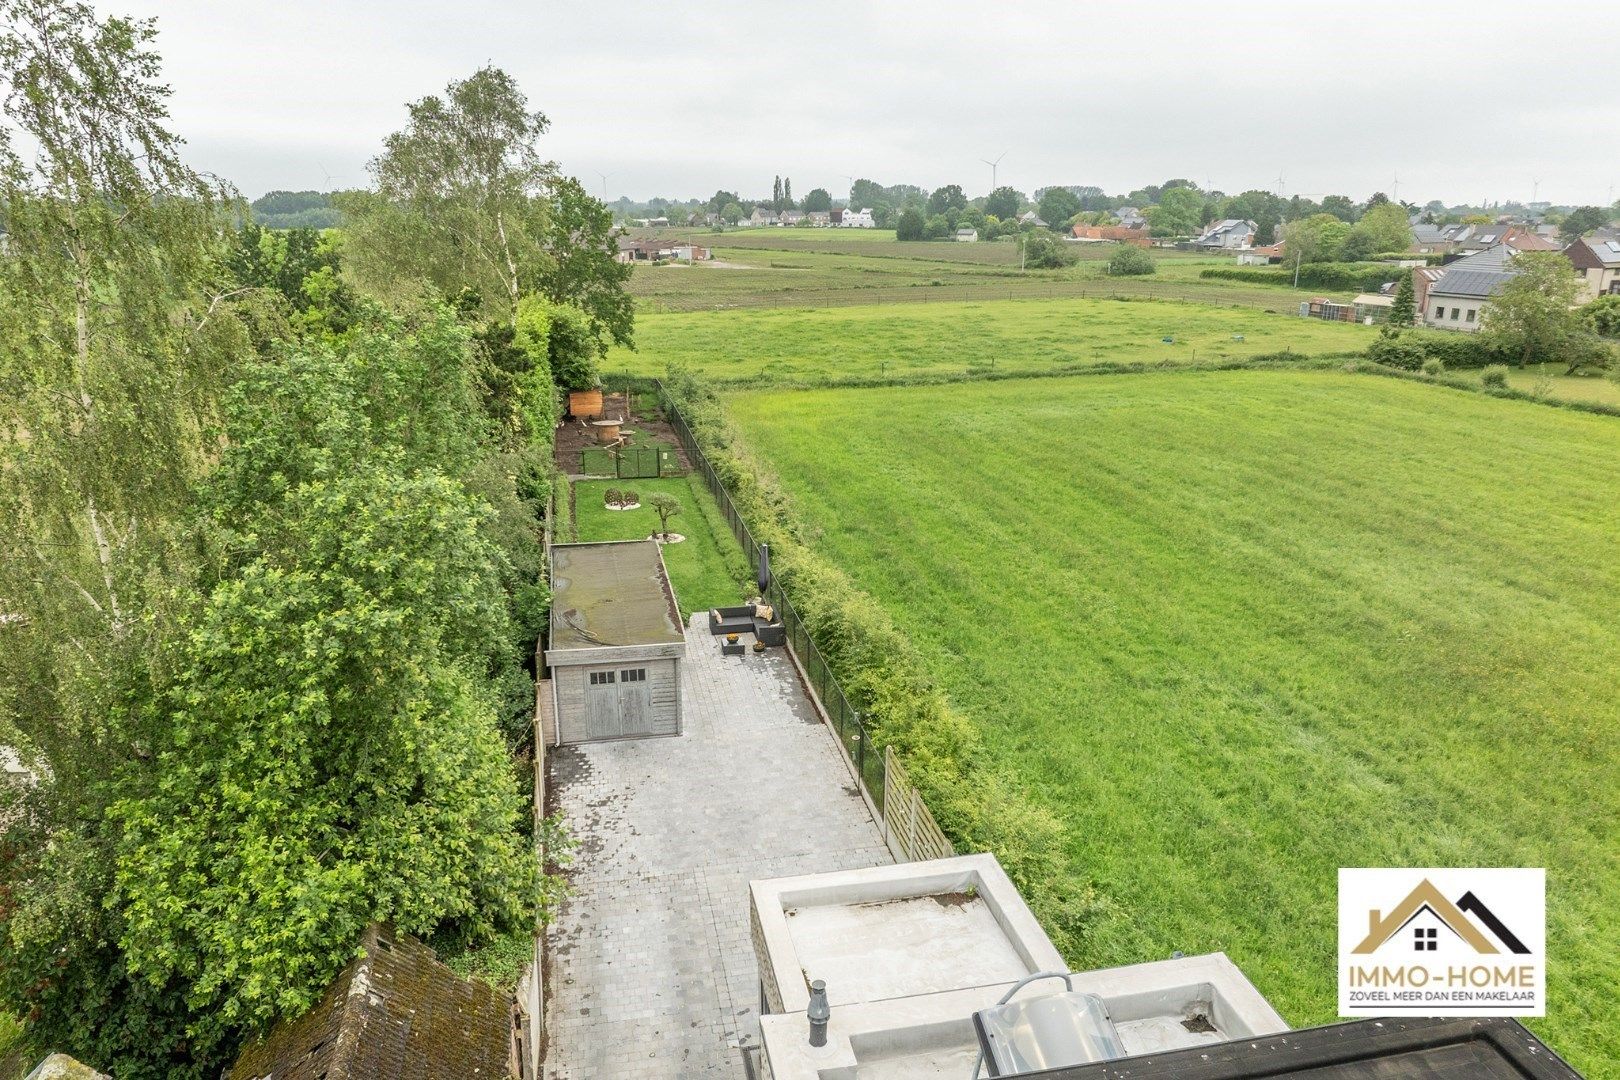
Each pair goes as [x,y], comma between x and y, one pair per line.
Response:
[896,931]
[611,594]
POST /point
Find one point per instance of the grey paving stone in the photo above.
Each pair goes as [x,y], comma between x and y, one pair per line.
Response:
[652,972]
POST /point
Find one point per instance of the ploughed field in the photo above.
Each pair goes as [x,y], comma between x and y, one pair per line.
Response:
[1240,629]
[943,339]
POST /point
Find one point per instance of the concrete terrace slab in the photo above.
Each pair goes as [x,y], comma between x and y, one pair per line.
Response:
[651,966]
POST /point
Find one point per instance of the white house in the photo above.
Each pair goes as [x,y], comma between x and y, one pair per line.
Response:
[1233,234]
[858,219]
[1457,300]
[967,234]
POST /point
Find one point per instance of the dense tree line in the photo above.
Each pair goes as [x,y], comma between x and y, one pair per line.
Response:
[271,572]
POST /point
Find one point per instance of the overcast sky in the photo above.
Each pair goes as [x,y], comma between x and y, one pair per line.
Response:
[1463,100]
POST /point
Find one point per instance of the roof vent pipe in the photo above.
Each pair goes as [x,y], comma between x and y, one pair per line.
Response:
[818,1013]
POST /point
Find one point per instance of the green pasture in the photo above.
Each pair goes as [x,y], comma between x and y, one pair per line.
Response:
[950,338]
[1239,629]
[829,267]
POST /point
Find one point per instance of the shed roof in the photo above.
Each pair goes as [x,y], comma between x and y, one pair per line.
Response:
[395,1011]
[611,594]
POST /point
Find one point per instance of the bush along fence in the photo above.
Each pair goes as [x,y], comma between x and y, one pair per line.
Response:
[865,760]
[882,702]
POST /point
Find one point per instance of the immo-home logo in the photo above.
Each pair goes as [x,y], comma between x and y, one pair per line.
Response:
[1442,942]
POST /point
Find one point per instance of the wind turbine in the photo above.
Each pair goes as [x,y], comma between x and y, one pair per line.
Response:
[605,177]
[1282,189]
[1535,189]
[993,165]
[1397,191]
[329,176]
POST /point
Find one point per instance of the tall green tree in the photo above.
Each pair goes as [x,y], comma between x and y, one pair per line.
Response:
[460,197]
[119,335]
[1403,311]
[1383,228]
[1004,202]
[1582,221]
[819,200]
[1179,213]
[1534,316]
[947,198]
[1313,239]
[1058,205]
[466,202]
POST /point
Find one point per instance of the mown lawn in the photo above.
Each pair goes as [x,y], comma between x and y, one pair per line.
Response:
[706,569]
[1240,629]
[1017,335]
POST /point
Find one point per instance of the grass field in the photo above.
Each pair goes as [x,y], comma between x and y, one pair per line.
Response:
[1240,629]
[1034,336]
[705,569]
[797,268]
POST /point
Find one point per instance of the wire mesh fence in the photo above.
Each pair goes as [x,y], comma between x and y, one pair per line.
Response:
[846,721]
[623,463]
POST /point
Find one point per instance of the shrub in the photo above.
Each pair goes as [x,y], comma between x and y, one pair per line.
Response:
[1397,351]
[1494,377]
[1455,351]
[1041,252]
[610,497]
[1434,366]
[628,498]
[1129,261]
[1603,316]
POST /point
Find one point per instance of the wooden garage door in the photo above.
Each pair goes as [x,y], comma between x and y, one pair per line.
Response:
[618,704]
[602,705]
[635,702]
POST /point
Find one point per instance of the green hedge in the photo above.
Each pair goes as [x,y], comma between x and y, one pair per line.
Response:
[1410,348]
[980,805]
[1337,277]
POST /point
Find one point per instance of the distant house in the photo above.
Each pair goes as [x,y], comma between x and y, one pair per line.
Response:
[1467,239]
[1261,256]
[1458,298]
[858,219]
[819,218]
[1131,218]
[1233,234]
[394,1011]
[967,234]
[1030,217]
[835,216]
[1117,234]
[1598,264]
[790,217]
[652,222]
[1515,237]
[762,216]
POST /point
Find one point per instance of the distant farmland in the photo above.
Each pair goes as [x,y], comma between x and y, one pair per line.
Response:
[1240,629]
[1023,336]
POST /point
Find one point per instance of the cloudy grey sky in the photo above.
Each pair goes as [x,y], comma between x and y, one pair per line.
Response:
[1463,99]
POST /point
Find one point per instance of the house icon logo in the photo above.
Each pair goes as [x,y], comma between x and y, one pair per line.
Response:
[1425,913]
[1442,942]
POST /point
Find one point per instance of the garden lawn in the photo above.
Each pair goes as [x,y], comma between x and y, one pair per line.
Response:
[1240,629]
[811,345]
[706,569]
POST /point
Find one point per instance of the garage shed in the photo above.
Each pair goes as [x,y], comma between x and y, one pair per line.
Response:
[616,642]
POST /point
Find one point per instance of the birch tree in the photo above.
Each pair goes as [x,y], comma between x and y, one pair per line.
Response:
[116,336]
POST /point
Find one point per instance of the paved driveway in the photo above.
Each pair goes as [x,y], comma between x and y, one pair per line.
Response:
[651,969]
